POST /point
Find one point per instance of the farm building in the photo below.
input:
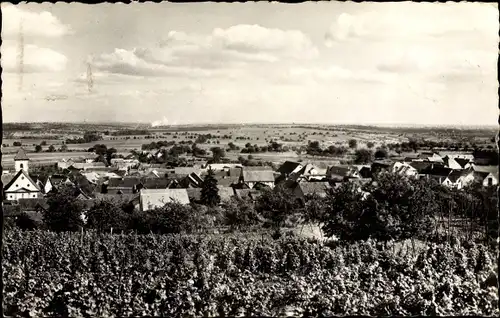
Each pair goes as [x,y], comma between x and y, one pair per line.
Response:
[154,198]
[253,178]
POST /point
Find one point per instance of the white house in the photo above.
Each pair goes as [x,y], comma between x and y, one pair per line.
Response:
[21,186]
[486,175]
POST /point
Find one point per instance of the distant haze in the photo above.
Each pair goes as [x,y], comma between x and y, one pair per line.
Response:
[330,62]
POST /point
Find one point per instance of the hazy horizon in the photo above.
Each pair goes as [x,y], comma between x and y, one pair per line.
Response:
[338,63]
[396,125]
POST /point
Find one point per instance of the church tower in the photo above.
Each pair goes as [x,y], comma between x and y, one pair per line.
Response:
[21,161]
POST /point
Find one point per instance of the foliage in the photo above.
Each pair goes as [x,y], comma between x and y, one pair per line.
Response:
[362,156]
[64,211]
[106,215]
[217,154]
[38,148]
[381,154]
[209,191]
[90,274]
[344,206]
[277,204]
[353,143]
[240,214]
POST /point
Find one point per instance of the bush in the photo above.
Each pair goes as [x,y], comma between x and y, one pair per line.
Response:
[106,215]
[65,210]
[362,156]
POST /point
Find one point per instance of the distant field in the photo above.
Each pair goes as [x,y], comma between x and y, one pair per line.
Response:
[41,158]
[261,135]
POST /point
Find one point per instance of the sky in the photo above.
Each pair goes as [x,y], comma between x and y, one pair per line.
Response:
[257,62]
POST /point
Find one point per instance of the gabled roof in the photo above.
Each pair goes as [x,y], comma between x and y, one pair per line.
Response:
[18,174]
[194,193]
[462,161]
[338,171]
[235,172]
[127,182]
[21,155]
[420,165]
[227,181]
[32,204]
[258,176]
[318,188]
[158,198]
[489,169]
[117,197]
[455,175]
[288,167]
[185,170]
[438,171]
[247,193]
[225,193]
[157,183]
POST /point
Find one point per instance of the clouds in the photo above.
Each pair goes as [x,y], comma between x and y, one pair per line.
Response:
[33,60]
[393,21]
[22,30]
[38,24]
[182,54]
[337,73]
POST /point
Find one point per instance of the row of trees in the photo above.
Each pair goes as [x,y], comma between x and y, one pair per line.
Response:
[273,146]
[87,138]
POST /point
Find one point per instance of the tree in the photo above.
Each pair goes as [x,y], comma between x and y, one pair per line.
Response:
[100,149]
[370,145]
[277,204]
[402,207]
[17,144]
[65,210]
[217,154]
[110,153]
[231,146]
[52,148]
[362,156]
[106,215]
[209,191]
[343,207]
[381,153]
[240,214]
[64,148]
[43,143]
[353,143]
[38,148]
[315,209]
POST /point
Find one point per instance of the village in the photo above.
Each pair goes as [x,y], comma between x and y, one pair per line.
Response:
[151,185]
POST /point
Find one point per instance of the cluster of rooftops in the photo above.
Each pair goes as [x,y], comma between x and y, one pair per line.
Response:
[152,185]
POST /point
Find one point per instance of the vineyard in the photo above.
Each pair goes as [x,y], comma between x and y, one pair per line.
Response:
[93,274]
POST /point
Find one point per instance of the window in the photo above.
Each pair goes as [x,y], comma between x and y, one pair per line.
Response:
[22,166]
[10,196]
[22,178]
[17,185]
[34,195]
[490,181]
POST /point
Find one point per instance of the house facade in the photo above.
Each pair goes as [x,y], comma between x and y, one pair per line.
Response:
[21,186]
